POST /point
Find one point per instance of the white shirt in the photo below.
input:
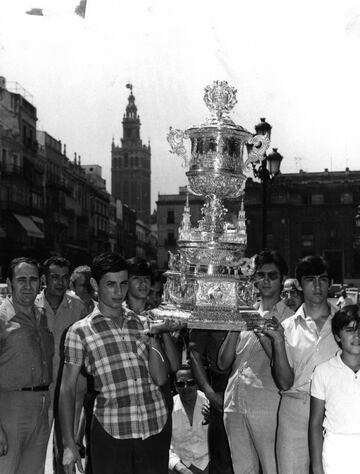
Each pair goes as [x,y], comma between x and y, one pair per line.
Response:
[334,382]
[251,369]
[306,347]
[189,444]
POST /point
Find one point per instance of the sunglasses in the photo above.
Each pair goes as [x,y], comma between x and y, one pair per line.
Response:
[289,293]
[271,275]
[185,383]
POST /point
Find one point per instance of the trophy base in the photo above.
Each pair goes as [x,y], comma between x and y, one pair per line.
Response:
[244,319]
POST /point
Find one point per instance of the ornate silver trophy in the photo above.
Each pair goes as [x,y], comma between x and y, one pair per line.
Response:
[210,281]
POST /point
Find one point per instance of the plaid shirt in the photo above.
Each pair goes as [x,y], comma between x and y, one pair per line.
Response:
[129,404]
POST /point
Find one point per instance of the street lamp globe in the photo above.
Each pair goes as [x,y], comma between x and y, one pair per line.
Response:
[274,160]
[357,217]
[263,128]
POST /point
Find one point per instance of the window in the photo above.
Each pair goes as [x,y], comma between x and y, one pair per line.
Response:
[170,216]
[308,242]
[317,199]
[346,198]
[171,238]
[307,228]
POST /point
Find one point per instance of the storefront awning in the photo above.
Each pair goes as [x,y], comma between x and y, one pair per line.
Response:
[38,220]
[31,229]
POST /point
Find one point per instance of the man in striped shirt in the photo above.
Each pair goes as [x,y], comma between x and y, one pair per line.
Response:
[127,364]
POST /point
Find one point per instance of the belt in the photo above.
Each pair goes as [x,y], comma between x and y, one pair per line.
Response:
[38,388]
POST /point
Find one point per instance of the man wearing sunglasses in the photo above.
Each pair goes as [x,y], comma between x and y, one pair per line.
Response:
[251,398]
[299,344]
[292,294]
[189,447]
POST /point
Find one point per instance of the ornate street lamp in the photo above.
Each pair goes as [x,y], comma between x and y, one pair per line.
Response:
[357,217]
[266,172]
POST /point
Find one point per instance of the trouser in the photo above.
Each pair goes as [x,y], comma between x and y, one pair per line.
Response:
[341,453]
[24,418]
[128,456]
[252,439]
[219,451]
[292,447]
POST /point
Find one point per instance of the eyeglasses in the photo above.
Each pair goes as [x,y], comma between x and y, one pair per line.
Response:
[316,279]
[274,275]
[185,383]
[289,293]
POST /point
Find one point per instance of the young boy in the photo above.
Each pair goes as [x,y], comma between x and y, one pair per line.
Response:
[127,431]
[334,427]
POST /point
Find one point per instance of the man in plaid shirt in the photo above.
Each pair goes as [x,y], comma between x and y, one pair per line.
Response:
[128,366]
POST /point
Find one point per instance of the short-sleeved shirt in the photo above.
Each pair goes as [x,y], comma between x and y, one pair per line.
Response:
[339,386]
[70,310]
[129,405]
[26,348]
[306,347]
[251,376]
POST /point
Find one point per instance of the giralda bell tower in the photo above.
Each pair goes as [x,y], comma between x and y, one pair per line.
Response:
[131,164]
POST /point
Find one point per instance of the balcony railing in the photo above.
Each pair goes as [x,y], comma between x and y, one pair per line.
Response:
[11,169]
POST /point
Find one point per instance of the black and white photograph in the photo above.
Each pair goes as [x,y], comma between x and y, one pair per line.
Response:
[179,237]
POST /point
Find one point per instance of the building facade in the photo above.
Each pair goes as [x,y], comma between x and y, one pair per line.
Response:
[307,213]
[131,165]
[22,176]
[170,208]
[53,205]
[310,213]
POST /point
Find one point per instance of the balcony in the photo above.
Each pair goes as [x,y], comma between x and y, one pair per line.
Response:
[10,169]
[31,145]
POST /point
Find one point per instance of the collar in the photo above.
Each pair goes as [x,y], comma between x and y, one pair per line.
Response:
[127,313]
[42,302]
[142,313]
[300,314]
[7,310]
[278,307]
[178,406]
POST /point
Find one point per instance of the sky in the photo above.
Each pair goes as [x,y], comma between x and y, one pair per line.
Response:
[295,63]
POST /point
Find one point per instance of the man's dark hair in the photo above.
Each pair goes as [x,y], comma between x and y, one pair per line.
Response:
[186,367]
[345,316]
[312,265]
[138,266]
[109,262]
[16,261]
[55,260]
[271,256]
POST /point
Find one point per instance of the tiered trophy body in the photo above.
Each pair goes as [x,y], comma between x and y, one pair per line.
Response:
[210,281]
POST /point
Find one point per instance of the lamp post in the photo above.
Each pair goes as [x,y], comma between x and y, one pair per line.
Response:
[357,218]
[357,228]
[266,172]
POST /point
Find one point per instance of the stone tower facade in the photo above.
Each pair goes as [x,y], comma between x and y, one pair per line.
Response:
[131,164]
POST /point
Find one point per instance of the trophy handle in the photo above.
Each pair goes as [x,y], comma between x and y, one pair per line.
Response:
[256,148]
[175,138]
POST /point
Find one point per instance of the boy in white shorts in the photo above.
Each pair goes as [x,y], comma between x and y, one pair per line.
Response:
[334,426]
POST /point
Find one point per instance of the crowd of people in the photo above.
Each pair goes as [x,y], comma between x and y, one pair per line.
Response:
[82,356]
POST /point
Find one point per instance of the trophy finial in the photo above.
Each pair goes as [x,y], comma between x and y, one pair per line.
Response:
[220,98]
